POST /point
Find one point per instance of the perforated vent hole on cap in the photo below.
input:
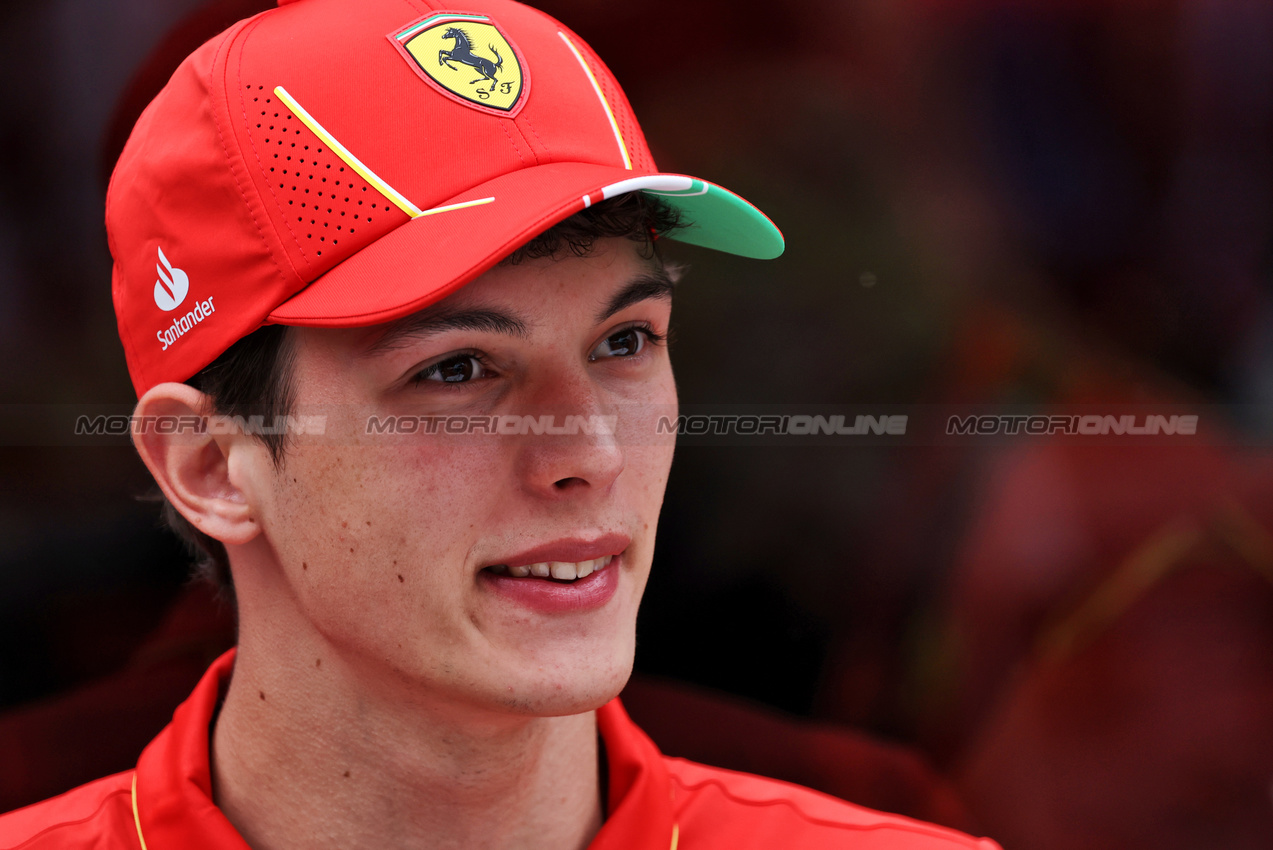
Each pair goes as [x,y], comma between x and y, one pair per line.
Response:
[322,199]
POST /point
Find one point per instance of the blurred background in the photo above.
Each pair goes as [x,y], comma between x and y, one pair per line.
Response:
[1024,205]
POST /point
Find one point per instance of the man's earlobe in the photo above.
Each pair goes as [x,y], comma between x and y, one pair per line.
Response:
[191,462]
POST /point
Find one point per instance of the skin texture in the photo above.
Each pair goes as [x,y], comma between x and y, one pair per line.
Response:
[383,694]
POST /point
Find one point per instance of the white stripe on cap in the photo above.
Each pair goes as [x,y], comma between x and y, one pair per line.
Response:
[651,182]
[674,185]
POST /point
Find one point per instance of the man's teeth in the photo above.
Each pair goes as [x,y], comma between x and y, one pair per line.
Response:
[560,570]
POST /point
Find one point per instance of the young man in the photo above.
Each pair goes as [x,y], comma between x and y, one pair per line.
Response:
[371,211]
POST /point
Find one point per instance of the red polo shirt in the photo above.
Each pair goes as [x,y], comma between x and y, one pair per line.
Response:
[656,803]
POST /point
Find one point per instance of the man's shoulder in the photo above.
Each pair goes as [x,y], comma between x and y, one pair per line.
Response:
[96,816]
[731,809]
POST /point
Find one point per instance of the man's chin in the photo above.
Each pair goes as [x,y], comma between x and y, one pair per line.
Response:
[568,695]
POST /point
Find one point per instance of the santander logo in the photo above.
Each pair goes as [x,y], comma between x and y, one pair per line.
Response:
[170,291]
[172,286]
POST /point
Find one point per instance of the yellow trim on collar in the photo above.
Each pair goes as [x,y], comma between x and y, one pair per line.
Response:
[142,838]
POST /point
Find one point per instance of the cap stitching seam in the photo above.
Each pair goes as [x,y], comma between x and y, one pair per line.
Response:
[535,133]
[230,163]
[516,149]
[530,148]
[257,154]
[617,101]
[592,69]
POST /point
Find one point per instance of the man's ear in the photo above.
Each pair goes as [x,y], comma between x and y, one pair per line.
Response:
[192,463]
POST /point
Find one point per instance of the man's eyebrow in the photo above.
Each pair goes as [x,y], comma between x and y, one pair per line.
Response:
[657,283]
[429,323]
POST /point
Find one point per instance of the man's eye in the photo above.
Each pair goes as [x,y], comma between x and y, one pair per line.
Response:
[453,370]
[625,343]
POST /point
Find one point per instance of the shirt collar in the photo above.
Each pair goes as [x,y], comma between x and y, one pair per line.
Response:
[172,796]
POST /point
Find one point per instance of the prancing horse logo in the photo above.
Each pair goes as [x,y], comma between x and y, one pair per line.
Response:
[467,58]
[463,52]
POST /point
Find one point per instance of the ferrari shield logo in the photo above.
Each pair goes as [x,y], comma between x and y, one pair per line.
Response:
[467,57]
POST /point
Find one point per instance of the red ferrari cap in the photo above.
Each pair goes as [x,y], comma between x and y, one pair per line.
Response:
[338,163]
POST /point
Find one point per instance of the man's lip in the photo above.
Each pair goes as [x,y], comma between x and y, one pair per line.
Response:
[570,550]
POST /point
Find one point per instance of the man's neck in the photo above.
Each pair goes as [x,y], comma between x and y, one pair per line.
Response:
[320,762]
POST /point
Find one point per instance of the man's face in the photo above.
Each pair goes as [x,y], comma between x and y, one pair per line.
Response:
[405,551]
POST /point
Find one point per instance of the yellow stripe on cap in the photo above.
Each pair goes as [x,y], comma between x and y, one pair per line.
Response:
[614,125]
[392,194]
[459,206]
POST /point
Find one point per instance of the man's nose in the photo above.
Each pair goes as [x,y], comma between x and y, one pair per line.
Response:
[572,446]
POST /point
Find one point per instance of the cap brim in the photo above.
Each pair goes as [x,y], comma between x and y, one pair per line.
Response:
[433,255]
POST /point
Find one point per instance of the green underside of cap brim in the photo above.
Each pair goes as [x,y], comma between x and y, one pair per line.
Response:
[717,218]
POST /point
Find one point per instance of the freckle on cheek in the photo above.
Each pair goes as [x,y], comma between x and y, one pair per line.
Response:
[304,566]
[400,578]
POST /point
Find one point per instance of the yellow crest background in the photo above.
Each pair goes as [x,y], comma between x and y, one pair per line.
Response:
[466,80]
